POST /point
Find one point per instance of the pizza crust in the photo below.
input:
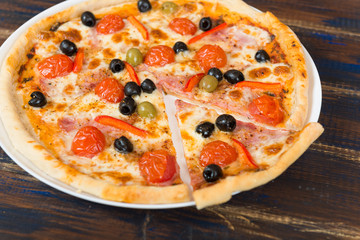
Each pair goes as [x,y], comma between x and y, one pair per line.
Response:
[246,181]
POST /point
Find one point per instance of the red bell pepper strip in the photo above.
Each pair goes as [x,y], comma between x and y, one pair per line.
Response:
[144,32]
[134,77]
[204,34]
[244,153]
[271,87]
[119,124]
[193,81]
[78,61]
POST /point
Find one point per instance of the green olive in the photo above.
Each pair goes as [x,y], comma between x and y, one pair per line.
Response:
[134,57]
[146,109]
[208,83]
[169,8]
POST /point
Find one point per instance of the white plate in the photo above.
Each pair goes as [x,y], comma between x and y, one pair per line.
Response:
[315,96]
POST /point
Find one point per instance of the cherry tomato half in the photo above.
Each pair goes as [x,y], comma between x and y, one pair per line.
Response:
[55,66]
[88,142]
[157,166]
[219,153]
[183,26]
[266,109]
[110,90]
[110,24]
[211,56]
[159,56]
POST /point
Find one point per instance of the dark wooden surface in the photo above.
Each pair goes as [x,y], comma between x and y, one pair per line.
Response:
[316,198]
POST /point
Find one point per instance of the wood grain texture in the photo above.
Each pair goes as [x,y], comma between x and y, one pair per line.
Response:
[316,198]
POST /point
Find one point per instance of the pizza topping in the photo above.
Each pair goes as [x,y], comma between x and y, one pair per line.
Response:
[123,145]
[205,129]
[207,33]
[116,65]
[55,66]
[132,88]
[78,61]
[158,166]
[159,56]
[148,86]
[275,88]
[205,24]
[266,109]
[208,83]
[110,90]
[180,47]
[217,152]
[88,142]
[88,19]
[127,106]
[37,99]
[68,48]
[169,8]
[216,73]
[143,31]
[210,56]
[110,24]
[134,57]
[183,26]
[234,76]
[212,173]
[119,124]
[262,56]
[193,81]
[146,109]
[133,76]
[226,123]
[244,154]
[144,5]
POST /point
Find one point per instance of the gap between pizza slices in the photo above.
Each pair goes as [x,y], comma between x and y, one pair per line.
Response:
[90,110]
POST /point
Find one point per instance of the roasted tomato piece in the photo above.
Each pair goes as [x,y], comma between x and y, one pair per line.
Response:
[183,26]
[219,153]
[110,24]
[159,56]
[88,142]
[110,90]
[55,66]
[211,56]
[266,109]
[157,166]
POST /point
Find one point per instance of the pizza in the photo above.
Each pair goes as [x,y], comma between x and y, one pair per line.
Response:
[84,99]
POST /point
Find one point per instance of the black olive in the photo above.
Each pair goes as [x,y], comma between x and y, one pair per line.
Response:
[226,123]
[127,106]
[234,76]
[205,24]
[37,99]
[262,56]
[205,129]
[216,73]
[148,86]
[116,65]
[144,5]
[68,48]
[131,88]
[212,173]
[123,145]
[88,19]
[180,47]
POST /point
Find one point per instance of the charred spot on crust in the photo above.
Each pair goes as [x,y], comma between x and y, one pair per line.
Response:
[22,68]
[31,54]
[25,80]
[55,26]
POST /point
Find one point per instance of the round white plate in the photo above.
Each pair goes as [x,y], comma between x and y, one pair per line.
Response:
[315,96]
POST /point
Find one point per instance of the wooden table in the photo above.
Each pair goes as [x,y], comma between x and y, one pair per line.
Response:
[316,198]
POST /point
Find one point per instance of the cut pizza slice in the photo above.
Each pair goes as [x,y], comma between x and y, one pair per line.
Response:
[225,155]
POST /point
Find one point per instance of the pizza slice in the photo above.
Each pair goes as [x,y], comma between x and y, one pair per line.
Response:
[225,155]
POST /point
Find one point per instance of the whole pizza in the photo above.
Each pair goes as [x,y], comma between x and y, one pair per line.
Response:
[83,98]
